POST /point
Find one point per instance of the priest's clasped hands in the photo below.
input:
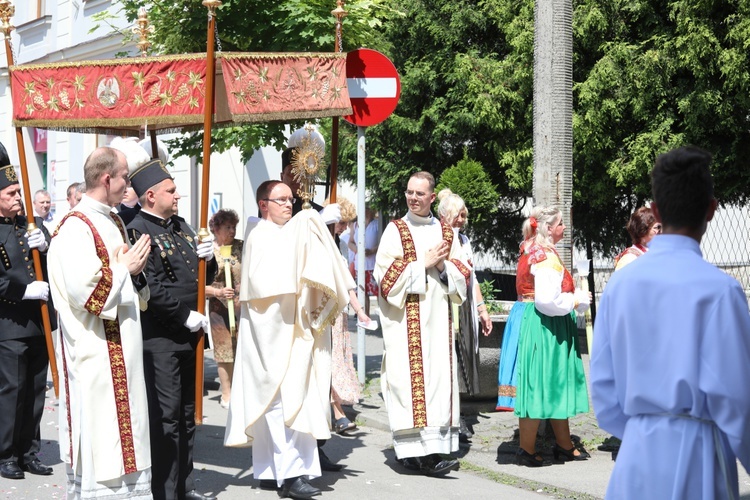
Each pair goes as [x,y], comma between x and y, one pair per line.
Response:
[436,255]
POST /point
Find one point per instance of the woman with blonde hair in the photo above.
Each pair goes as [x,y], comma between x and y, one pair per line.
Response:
[452,211]
[345,388]
[551,380]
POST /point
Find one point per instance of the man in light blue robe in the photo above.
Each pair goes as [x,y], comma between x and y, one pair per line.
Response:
[671,356]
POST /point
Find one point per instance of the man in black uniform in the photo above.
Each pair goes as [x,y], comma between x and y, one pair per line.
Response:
[169,327]
[23,352]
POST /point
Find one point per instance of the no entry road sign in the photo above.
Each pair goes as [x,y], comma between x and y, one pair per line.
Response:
[374,87]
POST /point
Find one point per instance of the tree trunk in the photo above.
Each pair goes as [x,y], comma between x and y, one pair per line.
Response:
[553,112]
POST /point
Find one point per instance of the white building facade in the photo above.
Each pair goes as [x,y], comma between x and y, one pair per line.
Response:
[50,31]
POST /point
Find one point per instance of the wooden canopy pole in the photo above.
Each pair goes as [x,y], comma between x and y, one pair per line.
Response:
[211,5]
[6,12]
[339,13]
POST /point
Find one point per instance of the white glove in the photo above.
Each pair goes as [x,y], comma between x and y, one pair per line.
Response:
[583,301]
[205,248]
[36,239]
[331,214]
[196,321]
[36,290]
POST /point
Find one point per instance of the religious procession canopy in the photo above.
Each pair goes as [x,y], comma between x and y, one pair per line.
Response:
[168,93]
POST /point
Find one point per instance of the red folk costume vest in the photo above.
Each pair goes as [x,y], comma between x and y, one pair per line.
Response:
[534,254]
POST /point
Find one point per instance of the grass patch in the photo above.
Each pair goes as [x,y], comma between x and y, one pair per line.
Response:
[524,484]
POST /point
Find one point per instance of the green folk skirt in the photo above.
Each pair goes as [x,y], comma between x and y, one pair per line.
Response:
[551,380]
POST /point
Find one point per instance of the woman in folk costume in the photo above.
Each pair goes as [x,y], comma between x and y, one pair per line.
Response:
[508,367]
[466,317]
[642,227]
[551,380]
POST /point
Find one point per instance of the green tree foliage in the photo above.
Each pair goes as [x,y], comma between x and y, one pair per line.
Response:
[254,26]
[652,75]
[649,75]
[468,179]
[466,89]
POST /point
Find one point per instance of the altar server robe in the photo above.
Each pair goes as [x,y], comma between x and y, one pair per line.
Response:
[671,355]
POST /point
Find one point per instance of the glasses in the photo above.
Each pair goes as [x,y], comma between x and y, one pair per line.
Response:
[418,194]
[281,201]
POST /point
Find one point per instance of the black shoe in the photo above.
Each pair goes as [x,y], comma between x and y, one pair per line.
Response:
[525,458]
[411,463]
[464,433]
[609,444]
[269,484]
[196,495]
[435,465]
[37,467]
[11,470]
[326,464]
[567,455]
[298,487]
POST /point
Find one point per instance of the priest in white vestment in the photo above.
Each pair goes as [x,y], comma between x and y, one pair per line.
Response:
[294,284]
[671,356]
[420,274]
[97,286]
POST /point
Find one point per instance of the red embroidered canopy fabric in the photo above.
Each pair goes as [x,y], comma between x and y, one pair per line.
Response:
[125,96]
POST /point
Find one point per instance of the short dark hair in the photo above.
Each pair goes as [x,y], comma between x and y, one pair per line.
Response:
[223,216]
[682,186]
[264,190]
[286,157]
[640,224]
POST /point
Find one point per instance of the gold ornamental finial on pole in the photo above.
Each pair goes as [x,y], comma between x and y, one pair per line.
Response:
[339,13]
[143,30]
[7,10]
[211,5]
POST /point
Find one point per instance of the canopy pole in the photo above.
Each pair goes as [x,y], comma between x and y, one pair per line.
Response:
[203,233]
[6,12]
[339,13]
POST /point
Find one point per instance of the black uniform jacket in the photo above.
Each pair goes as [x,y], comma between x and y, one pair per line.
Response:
[19,318]
[172,275]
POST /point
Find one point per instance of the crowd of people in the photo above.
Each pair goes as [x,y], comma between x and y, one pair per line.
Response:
[121,274]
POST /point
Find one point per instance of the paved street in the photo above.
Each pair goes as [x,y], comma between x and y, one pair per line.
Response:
[487,470]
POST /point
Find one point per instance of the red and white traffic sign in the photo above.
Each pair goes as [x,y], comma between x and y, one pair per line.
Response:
[374,87]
